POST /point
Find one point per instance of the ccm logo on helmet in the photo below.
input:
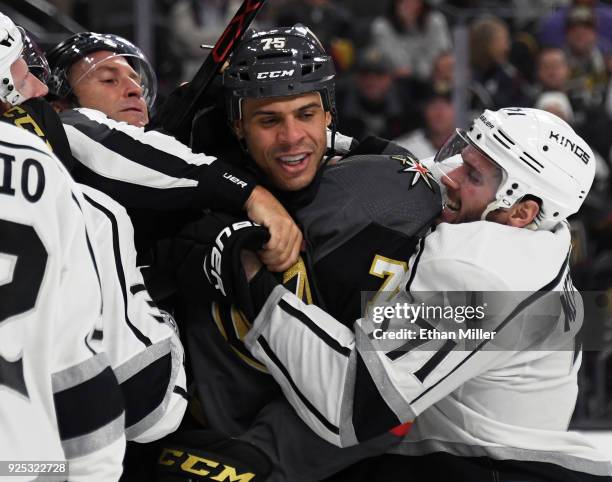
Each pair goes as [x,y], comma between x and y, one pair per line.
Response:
[575,148]
[275,74]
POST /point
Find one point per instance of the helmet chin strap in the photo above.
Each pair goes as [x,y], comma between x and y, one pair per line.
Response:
[496,204]
[492,206]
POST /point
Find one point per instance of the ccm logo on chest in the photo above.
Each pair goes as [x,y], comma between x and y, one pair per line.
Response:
[234,179]
[275,74]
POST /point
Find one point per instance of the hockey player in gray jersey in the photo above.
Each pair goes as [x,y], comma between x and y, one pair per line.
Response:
[494,408]
[104,87]
[362,220]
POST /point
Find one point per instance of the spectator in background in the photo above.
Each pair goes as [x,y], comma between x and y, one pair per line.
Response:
[552,70]
[496,80]
[412,36]
[442,72]
[587,62]
[374,104]
[197,22]
[439,116]
[552,28]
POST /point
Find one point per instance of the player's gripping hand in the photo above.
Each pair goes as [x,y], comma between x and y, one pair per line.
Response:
[222,264]
[283,248]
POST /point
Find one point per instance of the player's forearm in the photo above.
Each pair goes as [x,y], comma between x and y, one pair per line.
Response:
[316,361]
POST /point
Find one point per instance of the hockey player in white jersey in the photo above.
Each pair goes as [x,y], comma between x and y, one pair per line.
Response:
[490,408]
[140,342]
[59,400]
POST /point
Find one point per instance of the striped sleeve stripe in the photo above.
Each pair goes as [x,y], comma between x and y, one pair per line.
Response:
[318,331]
[137,288]
[92,405]
[138,195]
[24,146]
[145,391]
[168,156]
[80,373]
[371,414]
[274,359]
[95,440]
[182,392]
[119,268]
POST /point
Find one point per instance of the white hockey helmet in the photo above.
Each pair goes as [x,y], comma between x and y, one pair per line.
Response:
[539,154]
[16,43]
[11,46]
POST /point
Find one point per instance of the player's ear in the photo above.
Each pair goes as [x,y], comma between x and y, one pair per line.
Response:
[238,129]
[523,213]
[328,118]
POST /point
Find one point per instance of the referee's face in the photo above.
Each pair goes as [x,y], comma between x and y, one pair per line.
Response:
[111,86]
[286,137]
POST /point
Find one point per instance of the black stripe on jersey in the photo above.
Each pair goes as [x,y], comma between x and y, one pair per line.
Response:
[97,335]
[268,350]
[119,268]
[324,336]
[423,372]
[371,414]
[132,195]
[86,341]
[137,288]
[92,256]
[415,265]
[132,149]
[182,392]
[88,406]
[151,380]
[521,306]
[11,375]
[24,146]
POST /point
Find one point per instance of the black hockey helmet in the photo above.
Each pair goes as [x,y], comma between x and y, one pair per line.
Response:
[79,46]
[279,62]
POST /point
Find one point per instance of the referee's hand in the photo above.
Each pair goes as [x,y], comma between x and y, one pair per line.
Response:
[283,248]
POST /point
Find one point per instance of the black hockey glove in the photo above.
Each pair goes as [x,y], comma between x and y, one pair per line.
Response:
[222,264]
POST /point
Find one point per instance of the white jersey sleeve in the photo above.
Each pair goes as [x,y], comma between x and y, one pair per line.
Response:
[59,398]
[141,342]
[350,385]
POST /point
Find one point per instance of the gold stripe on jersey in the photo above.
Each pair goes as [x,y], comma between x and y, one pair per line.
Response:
[22,119]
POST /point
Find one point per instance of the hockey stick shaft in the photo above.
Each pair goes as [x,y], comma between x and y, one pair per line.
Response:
[179,116]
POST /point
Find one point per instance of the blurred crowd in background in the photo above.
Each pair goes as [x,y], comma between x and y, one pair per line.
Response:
[397,62]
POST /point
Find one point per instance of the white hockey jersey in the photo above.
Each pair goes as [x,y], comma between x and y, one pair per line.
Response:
[142,343]
[59,399]
[506,397]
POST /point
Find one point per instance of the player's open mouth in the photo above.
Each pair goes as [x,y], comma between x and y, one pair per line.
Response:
[452,205]
[293,160]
